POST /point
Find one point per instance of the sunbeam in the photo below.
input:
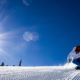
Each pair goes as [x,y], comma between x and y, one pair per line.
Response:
[5,40]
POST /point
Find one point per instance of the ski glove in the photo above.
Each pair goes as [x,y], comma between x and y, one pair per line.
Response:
[69,60]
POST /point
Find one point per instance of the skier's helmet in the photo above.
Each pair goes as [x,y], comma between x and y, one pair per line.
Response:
[77,50]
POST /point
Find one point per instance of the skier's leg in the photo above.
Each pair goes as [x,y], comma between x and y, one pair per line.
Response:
[77,61]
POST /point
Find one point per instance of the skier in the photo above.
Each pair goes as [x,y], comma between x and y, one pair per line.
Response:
[74,56]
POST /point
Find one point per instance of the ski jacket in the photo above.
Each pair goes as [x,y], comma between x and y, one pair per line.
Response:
[73,55]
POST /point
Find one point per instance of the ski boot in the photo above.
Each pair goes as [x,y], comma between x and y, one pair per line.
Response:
[77,68]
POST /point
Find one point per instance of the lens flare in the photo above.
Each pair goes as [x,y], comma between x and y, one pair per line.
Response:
[28,36]
[27,2]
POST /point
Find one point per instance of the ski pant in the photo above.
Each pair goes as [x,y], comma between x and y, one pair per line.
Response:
[76,61]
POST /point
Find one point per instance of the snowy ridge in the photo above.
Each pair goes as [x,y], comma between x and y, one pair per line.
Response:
[66,72]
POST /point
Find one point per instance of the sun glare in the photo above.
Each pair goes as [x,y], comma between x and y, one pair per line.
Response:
[4,41]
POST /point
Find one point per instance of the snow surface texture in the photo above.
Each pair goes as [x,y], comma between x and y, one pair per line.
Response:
[66,72]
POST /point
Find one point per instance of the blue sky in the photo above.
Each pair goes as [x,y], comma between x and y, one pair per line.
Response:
[40,32]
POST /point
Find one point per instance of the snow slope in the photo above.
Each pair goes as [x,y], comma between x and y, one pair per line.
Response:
[66,72]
